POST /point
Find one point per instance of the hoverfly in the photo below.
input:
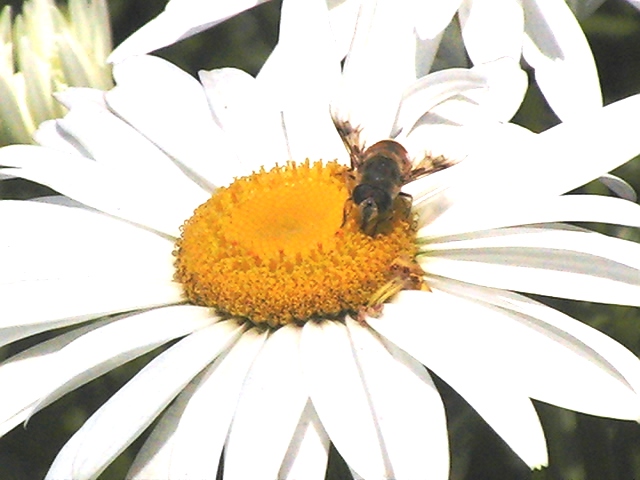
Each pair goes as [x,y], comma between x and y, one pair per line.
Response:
[379,172]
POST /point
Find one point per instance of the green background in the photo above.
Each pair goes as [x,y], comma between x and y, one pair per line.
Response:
[581,447]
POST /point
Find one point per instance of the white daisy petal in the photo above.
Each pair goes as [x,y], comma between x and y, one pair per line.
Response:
[426,51]
[131,173]
[435,194]
[619,187]
[183,128]
[587,285]
[498,91]
[576,152]
[68,302]
[306,24]
[62,201]
[23,375]
[492,29]
[128,205]
[154,458]
[303,76]
[209,411]
[557,237]
[340,399]
[555,46]
[180,19]
[269,75]
[343,15]
[50,135]
[508,84]
[380,65]
[108,347]
[309,449]
[427,92]
[94,185]
[583,150]
[81,96]
[109,140]
[304,28]
[76,241]
[169,451]
[578,265]
[166,376]
[566,208]
[355,475]
[436,341]
[407,406]
[431,18]
[274,385]
[245,111]
[581,368]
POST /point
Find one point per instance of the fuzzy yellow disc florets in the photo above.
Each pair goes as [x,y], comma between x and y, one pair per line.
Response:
[275,247]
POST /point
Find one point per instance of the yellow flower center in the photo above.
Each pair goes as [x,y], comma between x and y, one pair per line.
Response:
[276,247]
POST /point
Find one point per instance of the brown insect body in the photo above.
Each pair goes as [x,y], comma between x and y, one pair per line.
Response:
[379,172]
[379,176]
[376,177]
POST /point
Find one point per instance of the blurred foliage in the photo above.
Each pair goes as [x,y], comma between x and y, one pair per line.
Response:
[581,447]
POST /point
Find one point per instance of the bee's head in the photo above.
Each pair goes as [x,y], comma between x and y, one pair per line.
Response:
[365,195]
[372,204]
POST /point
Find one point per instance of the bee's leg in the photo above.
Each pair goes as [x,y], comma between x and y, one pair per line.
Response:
[368,311]
[406,274]
[348,177]
[409,273]
[368,216]
[404,202]
[347,211]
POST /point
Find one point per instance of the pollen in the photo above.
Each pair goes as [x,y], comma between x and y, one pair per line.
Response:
[279,246]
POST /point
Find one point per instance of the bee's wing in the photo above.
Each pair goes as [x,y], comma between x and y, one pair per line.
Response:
[350,136]
[429,165]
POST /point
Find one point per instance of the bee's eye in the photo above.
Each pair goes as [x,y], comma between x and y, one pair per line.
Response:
[361,193]
[364,192]
[383,200]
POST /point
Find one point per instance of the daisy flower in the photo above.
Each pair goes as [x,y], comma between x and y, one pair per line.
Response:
[546,35]
[263,292]
[45,50]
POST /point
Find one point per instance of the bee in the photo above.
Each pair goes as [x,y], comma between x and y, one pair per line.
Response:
[379,173]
